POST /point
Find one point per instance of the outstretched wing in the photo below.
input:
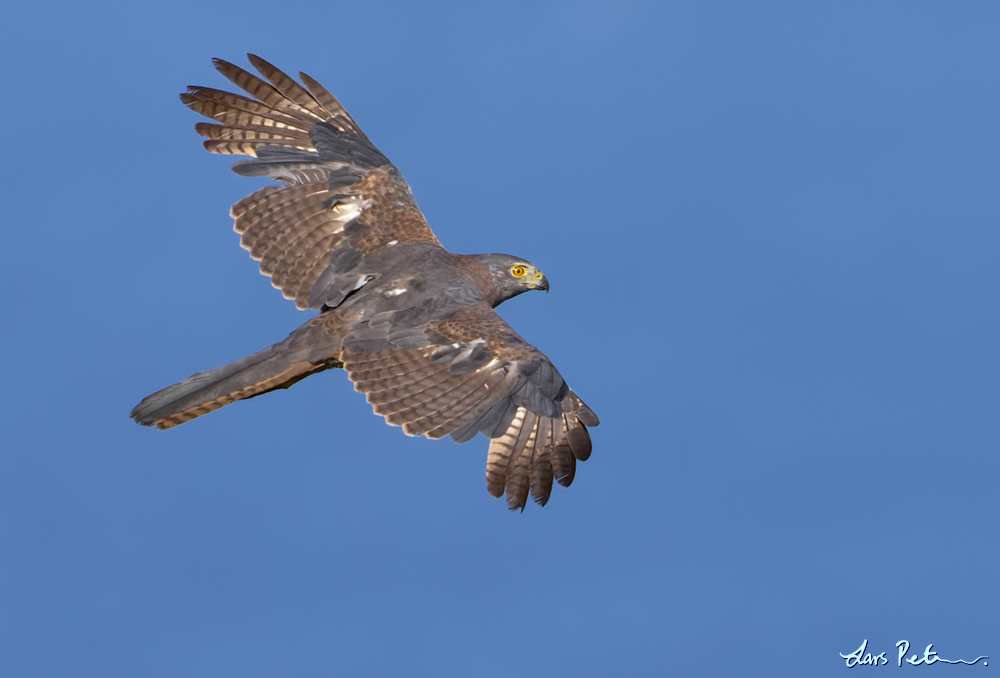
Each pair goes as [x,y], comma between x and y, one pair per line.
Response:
[471,373]
[342,200]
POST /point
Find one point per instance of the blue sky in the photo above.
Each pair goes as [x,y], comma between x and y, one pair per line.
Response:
[771,231]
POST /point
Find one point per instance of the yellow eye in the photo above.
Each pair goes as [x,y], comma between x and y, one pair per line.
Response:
[518,271]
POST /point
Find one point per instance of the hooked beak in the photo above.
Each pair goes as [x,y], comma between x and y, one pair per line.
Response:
[542,283]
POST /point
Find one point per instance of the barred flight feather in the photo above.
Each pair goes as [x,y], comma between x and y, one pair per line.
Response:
[337,114]
[274,225]
[299,276]
[435,425]
[235,109]
[429,403]
[578,438]
[414,391]
[291,90]
[262,205]
[488,393]
[375,365]
[379,384]
[273,136]
[519,464]
[297,273]
[541,473]
[262,91]
[563,461]
[498,456]
[284,231]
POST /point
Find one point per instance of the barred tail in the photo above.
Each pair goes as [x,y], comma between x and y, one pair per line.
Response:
[306,351]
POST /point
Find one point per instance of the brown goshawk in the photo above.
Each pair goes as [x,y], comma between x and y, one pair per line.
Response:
[413,325]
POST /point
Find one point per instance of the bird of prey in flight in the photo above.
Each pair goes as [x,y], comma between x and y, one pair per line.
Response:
[413,325]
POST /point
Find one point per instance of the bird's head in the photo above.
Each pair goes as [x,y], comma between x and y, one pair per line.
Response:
[512,275]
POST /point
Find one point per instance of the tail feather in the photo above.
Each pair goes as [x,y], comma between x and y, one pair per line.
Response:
[277,366]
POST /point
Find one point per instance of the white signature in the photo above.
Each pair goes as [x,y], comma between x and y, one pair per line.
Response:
[861,657]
